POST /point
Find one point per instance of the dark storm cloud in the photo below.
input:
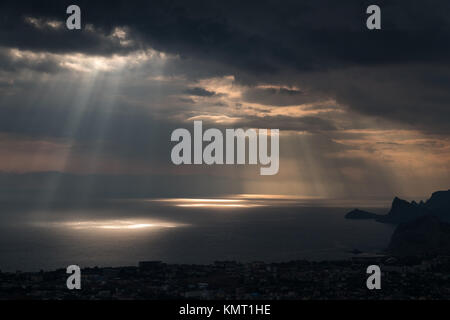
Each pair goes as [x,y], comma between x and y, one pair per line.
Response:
[17,31]
[305,123]
[200,92]
[279,96]
[322,46]
[255,36]
[417,96]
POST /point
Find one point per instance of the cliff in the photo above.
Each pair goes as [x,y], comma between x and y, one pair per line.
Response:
[403,211]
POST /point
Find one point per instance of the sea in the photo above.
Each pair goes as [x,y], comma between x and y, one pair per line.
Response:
[244,228]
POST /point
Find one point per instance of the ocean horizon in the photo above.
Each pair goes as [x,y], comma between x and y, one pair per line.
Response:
[243,228]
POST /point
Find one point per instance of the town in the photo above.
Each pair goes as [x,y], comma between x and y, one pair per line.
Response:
[402,278]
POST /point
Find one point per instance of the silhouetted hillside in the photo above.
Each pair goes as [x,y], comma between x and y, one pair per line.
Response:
[403,211]
[424,236]
[361,214]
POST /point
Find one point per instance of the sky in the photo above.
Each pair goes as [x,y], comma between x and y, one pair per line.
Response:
[89,113]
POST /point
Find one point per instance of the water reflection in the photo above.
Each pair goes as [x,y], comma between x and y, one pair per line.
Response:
[211,203]
[112,224]
[266,200]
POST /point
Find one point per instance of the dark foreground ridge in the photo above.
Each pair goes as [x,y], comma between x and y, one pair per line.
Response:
[426,235]
[402,278]
[403,211]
